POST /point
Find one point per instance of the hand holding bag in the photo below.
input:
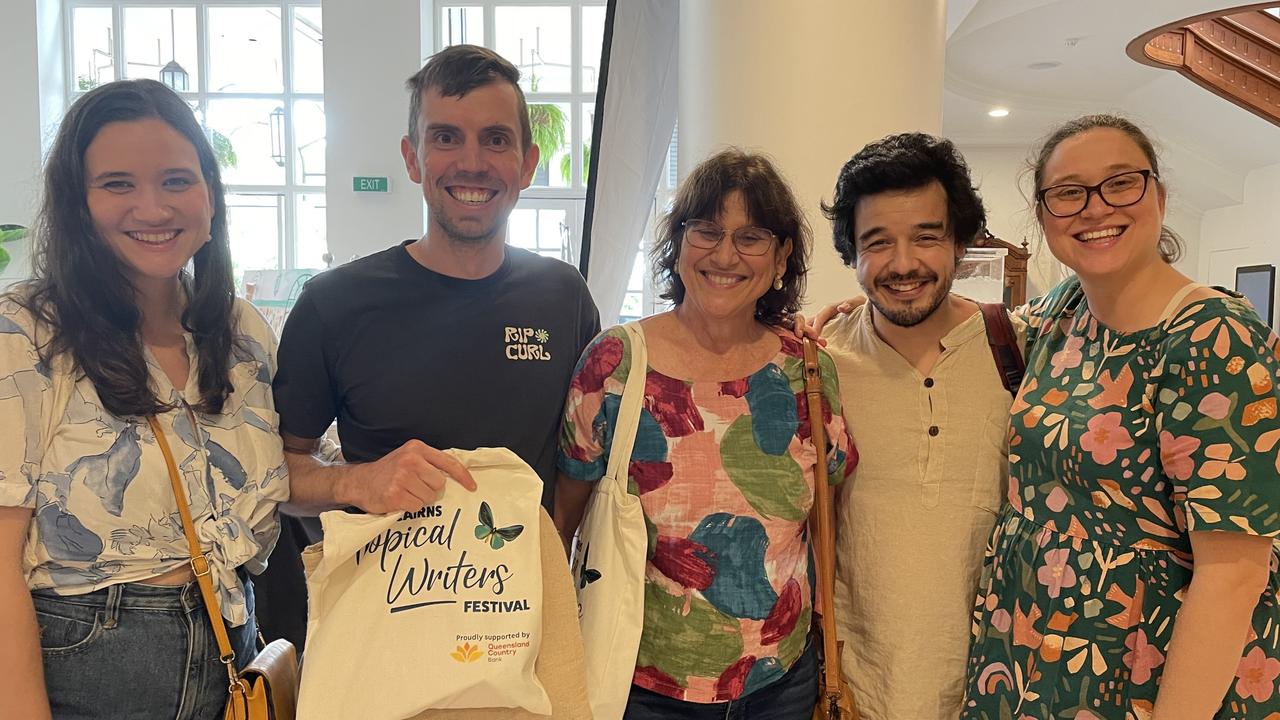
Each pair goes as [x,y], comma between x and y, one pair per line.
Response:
[267,688]
[835,700]
[609,557]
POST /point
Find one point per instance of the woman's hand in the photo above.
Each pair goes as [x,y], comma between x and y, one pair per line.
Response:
[812,329]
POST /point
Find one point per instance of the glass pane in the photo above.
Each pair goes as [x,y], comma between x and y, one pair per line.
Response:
[522,228]
[312,243]
[308,50]
[308,134]
[254,135]
[254,223]
[461,25]
[551,124]
[156,37]
[588,126]
[542,230]
[538,40]
[592,43]
[636,282]
[632,307]
[94,38]
[244,50]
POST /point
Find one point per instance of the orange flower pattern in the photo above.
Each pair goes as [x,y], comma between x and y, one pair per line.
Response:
[1121,444]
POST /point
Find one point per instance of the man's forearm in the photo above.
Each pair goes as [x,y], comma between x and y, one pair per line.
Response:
[21,672]
[315,485]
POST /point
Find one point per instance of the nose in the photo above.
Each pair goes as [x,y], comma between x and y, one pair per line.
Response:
[471,157]
[1095,206]
[725,253]
[152,206]
[903,261]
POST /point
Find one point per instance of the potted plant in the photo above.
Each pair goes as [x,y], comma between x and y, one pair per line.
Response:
[9,234]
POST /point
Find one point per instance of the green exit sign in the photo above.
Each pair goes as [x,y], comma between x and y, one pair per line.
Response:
[369,184]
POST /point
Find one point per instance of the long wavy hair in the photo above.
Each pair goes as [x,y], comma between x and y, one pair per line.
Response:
[79,291]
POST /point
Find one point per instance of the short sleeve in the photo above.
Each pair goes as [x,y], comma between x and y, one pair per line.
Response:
[1216,417]
[303,383]
[586,428]
[842,457]
[25,388]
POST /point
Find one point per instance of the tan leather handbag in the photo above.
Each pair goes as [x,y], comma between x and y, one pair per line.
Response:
[835,699]
[267,689]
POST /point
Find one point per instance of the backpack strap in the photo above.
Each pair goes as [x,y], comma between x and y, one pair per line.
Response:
[1004,346]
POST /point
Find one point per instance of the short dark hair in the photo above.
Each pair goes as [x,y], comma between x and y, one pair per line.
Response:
[79,288]
[906,161]
[456,71]
[769,203]
[1170,245]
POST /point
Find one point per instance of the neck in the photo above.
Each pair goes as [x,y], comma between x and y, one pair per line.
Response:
[717,335]
[1135,300]
[160,305]
[458,258]
[923,340]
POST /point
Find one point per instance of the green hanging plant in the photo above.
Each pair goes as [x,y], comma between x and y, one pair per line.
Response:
[548,125]
[566,163]
[9,234]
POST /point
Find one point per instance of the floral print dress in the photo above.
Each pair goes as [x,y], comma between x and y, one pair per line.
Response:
[1120,445]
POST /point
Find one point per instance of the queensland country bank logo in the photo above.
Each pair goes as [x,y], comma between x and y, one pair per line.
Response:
[524,343]
[466,653]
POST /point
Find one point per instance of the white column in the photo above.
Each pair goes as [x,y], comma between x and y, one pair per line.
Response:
[808,82]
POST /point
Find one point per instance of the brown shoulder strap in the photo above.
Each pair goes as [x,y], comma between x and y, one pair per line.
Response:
[1004,346]
[821,534]
[199,561]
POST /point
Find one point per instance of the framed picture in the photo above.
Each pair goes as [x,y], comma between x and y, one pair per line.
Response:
[1258,284]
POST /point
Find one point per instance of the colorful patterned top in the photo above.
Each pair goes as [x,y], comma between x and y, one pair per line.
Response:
[724,472]
[1120,445]
[98,486]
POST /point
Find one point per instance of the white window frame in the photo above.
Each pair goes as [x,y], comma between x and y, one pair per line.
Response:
[287,235]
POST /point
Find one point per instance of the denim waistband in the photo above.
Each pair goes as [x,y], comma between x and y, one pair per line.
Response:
[135,596]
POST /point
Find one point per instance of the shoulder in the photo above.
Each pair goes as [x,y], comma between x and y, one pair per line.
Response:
[1220,319]
[533,268]
[841,331]
[249,321]
[363,270]
[15,318]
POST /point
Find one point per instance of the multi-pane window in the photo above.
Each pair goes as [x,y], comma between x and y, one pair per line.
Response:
[253,74]
[556,46]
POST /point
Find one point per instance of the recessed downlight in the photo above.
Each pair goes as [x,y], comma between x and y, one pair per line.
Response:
[998,112]
[1047,65]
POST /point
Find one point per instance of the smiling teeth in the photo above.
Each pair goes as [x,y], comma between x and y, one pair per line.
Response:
[1100,234]
[154,238]
[904,287]
[475,197]
[722,280]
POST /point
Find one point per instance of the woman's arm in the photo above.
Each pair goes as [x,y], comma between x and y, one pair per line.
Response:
[1209,635]
[21,670]
[571,503]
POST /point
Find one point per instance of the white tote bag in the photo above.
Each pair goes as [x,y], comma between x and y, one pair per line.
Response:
[609,558]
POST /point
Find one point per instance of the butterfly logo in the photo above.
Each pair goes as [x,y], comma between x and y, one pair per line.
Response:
[495,536]
[589,575]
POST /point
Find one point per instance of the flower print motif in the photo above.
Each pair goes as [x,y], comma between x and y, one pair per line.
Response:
[1142,658]
[1215,405]
[1056,574]
[1256,675]
[1105,437]
[1175,454]
[542,336]
[1221,463]
[1068,357]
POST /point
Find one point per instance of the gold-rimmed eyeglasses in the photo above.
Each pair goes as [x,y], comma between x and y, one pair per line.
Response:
[706,235]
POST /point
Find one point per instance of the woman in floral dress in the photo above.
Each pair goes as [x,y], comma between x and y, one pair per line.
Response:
[1132,572]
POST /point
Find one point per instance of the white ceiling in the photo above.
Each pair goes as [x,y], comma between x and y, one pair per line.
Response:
[1209,145]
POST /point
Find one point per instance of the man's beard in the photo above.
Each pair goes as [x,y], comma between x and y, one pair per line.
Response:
[457,234]
[919,310]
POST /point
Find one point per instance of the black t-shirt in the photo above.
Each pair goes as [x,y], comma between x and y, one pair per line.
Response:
[395,351]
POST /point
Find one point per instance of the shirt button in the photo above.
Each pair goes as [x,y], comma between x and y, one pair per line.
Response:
[928,382]
[933,430]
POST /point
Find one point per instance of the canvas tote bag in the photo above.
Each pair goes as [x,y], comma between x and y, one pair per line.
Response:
[441,608]
[609,557]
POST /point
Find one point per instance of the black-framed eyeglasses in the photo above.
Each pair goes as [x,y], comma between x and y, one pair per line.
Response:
[1121,190]
[706,235]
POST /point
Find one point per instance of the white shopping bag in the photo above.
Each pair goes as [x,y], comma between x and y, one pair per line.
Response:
[436,609]
[609,558]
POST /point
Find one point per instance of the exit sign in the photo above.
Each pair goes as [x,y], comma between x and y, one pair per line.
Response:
[369,184]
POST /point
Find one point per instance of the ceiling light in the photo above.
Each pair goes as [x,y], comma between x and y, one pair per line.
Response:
[998,112]
[1047,65]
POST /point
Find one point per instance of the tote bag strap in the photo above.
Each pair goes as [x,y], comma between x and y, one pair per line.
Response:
[624,428]
[1176,301]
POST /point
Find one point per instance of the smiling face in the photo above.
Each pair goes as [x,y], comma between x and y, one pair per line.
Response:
[147,197]
[1102,241]
[721,283]
[469,161]
[905,252]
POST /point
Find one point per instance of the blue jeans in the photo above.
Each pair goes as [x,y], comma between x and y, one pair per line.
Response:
[792,697]
[136,651]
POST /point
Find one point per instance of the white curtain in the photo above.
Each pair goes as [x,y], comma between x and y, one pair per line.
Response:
[639,113]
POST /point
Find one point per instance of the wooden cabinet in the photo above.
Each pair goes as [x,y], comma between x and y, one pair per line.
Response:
[1015,267]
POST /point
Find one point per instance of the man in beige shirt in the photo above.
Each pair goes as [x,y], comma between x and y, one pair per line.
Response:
[926,405]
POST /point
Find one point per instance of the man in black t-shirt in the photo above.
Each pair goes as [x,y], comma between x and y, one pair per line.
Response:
[453,340]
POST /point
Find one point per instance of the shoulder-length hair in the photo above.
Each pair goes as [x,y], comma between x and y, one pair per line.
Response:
[79,291]
[769,203]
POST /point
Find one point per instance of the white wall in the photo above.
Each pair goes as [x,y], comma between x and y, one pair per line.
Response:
[368,55]
[1245,234]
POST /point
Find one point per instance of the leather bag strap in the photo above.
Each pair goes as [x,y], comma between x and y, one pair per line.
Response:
[1004,346]
[821,534]
[199,560]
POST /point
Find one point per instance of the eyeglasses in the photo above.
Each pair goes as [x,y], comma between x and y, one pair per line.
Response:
[1122,190]
[707,235]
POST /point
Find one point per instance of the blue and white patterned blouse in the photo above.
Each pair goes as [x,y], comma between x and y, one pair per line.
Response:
[104,511]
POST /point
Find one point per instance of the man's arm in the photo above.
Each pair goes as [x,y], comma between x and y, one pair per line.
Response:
[571,502]
[21,671]
[404,480]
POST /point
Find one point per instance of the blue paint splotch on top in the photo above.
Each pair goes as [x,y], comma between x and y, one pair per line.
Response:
[736,546]
[773,409]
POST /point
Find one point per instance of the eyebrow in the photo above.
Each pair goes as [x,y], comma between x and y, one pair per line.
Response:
[123,174]
[935,225]
[1074,178]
